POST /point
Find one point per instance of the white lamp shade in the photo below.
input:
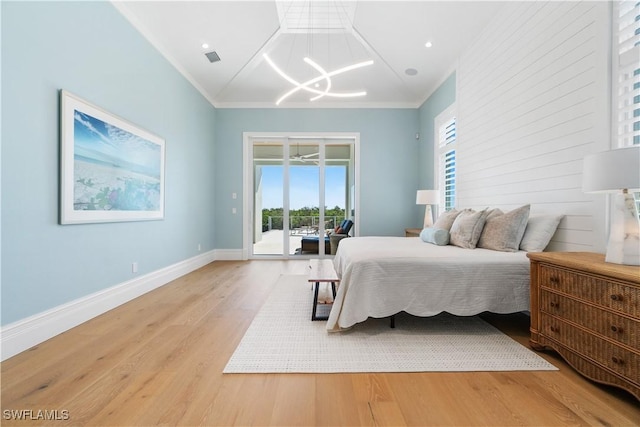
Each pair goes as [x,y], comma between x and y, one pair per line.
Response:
[612,170]
[428,197]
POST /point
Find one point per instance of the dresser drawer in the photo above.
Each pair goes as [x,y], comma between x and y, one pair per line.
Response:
[610,294]
[619,360]
[603,322]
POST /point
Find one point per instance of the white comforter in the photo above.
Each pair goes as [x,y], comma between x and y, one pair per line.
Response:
[382,276]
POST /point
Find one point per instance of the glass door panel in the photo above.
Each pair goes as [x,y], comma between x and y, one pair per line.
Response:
[336,189]
[268,221]
[304,196]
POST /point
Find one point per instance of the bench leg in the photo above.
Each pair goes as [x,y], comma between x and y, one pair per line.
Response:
[392,323]
[315,300]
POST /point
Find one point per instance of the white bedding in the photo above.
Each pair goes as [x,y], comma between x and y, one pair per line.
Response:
[382,276]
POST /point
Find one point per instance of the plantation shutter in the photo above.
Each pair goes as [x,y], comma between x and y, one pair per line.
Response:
[447,163]
[626,75]
[626,85]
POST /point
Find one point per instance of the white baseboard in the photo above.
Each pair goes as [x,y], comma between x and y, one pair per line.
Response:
[229,255]
[23,334]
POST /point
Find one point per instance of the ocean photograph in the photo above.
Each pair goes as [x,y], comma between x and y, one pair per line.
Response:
[114,170]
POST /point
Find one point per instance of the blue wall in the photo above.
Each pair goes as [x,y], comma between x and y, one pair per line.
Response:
[89,49]
[388,162]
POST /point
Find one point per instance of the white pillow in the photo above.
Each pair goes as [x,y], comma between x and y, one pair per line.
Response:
[539,231]
[504,231]
[467,227]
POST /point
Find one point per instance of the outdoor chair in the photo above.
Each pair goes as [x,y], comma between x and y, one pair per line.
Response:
[310,243]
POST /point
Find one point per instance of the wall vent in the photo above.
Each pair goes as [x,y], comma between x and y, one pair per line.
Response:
[212,56]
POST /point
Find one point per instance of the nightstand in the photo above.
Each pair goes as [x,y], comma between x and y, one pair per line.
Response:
[412,232]
[588,311]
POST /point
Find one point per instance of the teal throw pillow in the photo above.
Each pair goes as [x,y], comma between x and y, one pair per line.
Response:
[436,236]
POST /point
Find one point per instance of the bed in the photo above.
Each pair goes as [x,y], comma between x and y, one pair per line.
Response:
[382,276]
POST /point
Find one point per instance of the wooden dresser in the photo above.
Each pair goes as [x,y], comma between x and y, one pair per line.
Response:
[589,312]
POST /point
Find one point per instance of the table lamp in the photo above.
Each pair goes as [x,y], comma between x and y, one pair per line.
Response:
[617,171]
[428,198]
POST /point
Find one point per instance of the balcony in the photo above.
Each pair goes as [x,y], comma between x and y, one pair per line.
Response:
[271,242]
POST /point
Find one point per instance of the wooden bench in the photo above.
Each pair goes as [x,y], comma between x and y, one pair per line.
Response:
[321,271]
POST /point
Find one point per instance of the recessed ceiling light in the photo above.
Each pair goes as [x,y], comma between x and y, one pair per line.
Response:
[205,45]
[411,71]
[428,44]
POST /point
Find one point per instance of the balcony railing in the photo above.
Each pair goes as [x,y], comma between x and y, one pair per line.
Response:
[302,225]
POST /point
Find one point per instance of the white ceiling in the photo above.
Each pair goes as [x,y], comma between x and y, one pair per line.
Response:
[391,33]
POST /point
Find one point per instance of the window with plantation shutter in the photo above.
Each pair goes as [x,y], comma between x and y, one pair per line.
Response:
[626,75]
[445,155]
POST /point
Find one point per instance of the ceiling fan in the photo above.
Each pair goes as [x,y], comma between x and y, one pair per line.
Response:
[303,157]
[272,153]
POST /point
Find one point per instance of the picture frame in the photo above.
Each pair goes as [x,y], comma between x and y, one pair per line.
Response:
[110,169]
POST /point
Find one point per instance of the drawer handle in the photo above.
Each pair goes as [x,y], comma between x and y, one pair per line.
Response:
[554,280]
[554,304]
[617,329]
[616,297]
[617,360]
[554,329]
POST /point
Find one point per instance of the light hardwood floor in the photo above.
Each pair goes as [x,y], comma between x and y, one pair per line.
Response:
[158,360]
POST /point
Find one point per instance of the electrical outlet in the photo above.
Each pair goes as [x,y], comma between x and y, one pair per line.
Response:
[199,247]
[134,267]
[234,210]
[234,195]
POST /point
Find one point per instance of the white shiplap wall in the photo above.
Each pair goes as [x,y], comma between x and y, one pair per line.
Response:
[533,99]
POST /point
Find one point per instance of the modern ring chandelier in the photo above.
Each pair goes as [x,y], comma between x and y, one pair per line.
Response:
[324,75]
[313,17]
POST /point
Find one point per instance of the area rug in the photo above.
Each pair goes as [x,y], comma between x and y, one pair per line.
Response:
[283,339]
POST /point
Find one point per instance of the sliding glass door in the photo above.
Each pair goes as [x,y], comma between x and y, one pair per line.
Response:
[302,187]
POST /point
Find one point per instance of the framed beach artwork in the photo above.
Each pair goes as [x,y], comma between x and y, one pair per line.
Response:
[111,170]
